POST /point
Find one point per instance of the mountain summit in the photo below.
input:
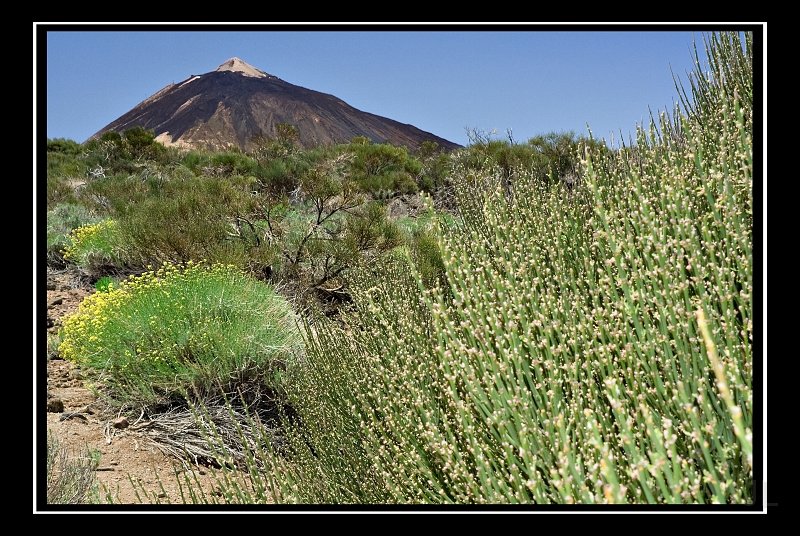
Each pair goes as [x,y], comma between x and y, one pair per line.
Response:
[230,105]
[239,66]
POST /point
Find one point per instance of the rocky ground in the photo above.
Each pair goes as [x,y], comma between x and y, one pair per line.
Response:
[76,418]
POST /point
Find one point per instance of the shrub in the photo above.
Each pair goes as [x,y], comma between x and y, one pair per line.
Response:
[422,236]
[93,247]
[64,146]
[195,331]
[142,144]
[188,220]
[64,170]
[59,191]
[598,347]
[70,480]
[62,220]
[232,163]
[195,161]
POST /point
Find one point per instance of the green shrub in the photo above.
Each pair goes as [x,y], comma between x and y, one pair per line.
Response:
[197,332]
[422,236]
[142,144]
[382,167]
[597,349]
[195,161]
[63,146]
[94,248]
[427,256]
[188,220]
[115,138]
[59,191]
[279,176]
[62,220]
[396,182]
[64,171]
[233,163]
[64,164]
[114,194]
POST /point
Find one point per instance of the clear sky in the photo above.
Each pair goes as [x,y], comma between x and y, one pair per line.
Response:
[442,79]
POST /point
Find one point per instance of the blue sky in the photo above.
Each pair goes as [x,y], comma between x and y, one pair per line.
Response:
[442,79]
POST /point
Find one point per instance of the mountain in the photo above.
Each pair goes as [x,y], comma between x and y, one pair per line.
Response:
[229,105]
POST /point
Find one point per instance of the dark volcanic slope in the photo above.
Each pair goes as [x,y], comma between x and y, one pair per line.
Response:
[225,108]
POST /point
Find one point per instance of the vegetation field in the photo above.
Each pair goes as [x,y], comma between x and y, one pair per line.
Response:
[554,321]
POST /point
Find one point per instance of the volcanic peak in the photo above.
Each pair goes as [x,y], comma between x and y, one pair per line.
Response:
[239,66]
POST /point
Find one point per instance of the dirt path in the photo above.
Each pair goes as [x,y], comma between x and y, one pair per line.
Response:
[77,421]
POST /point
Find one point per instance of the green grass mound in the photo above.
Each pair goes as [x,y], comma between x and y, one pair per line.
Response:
[197,331]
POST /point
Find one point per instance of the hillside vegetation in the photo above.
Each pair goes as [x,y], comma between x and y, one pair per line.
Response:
[562,322]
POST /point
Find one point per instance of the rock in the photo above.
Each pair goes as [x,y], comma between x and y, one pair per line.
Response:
[55,405]
[121,423]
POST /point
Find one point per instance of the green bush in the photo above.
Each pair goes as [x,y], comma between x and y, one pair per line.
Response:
[62,220]
[199,331]
[422,236]
[141,143]
[435,167]
[195,161]
[232,163]
[383,167]
[64,171]
[95,248]
[64,164]
[59,192]
[396,182]
[597,349]
[188,220]
[63,146]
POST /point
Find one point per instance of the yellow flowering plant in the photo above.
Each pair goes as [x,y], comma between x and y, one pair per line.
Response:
[93,246]
[179,329]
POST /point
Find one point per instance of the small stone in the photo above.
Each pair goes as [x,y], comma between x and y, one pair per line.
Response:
[122,422]
[55,405]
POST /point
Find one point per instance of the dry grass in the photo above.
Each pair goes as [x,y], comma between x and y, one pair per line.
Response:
[70,479]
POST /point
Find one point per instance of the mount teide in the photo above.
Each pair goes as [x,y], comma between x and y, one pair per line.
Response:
[236,101]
